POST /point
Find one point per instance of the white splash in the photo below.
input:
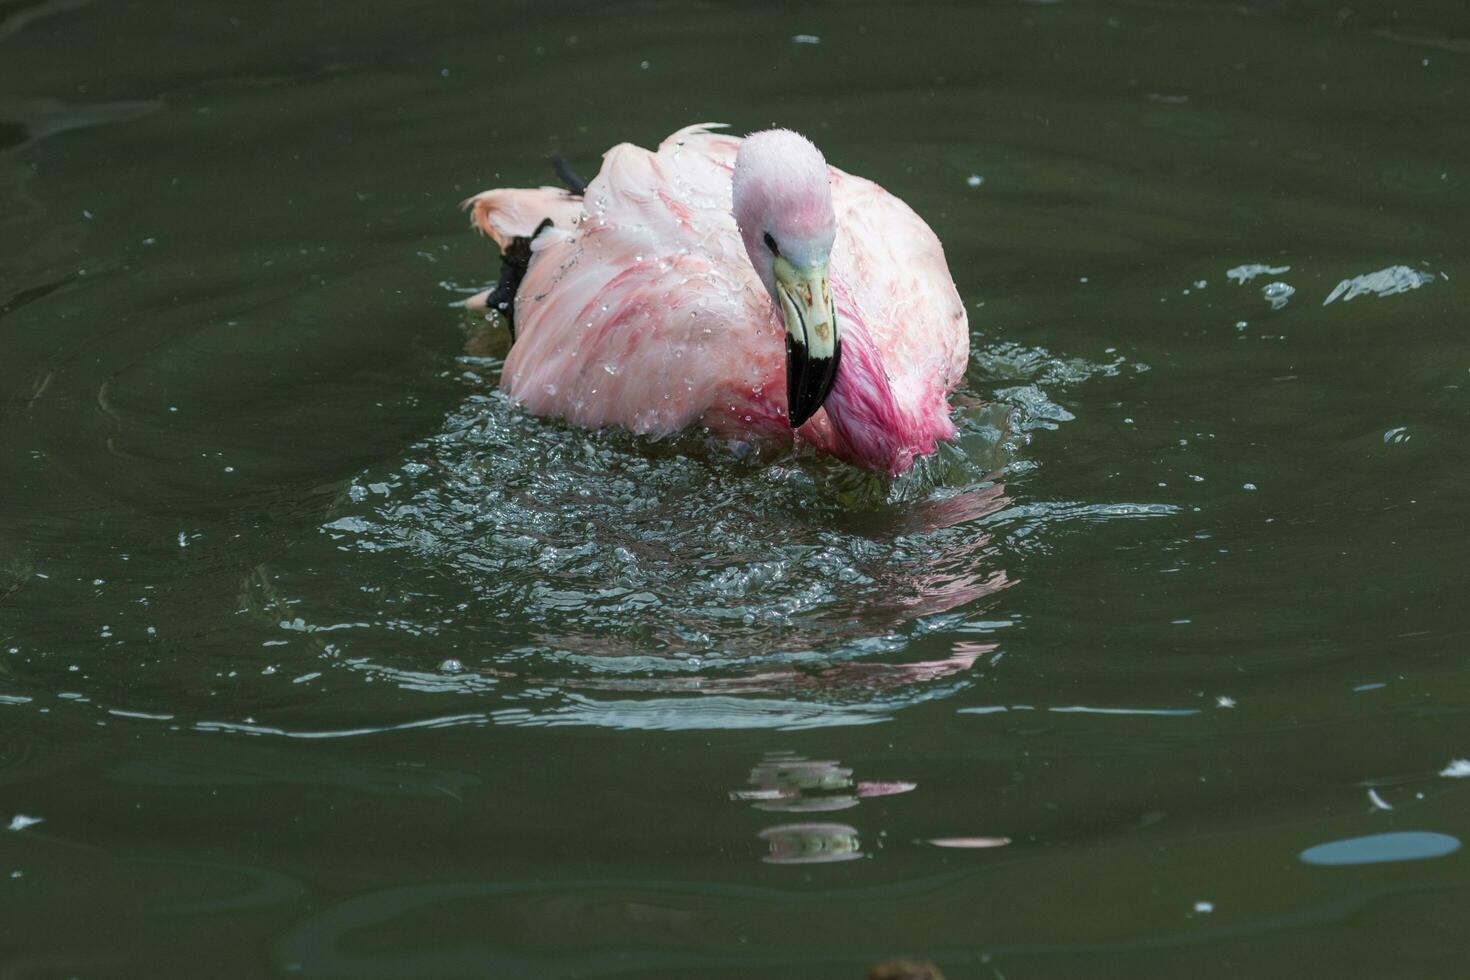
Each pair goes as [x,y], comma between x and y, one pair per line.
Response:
[1385,282]
[1277,293]
[1243,274]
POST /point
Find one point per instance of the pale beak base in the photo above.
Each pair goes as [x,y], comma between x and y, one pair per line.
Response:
[813,341]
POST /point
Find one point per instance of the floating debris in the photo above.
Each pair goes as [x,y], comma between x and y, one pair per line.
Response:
[1457,769]
[20,821]
[1406,845]
[1385,282]
[806,39]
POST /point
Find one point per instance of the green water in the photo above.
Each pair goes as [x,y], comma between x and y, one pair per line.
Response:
[319,659]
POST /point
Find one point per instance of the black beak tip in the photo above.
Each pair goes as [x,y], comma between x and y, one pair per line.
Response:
[799,415]
[808,381]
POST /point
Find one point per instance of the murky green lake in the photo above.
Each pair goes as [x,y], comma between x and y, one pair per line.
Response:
[317,658]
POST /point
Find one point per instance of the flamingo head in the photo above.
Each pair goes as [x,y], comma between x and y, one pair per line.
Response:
[783,206]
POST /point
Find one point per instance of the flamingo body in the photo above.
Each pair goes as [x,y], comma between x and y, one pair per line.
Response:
[641,308]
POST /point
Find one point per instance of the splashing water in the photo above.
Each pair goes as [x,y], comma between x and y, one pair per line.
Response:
[601,578]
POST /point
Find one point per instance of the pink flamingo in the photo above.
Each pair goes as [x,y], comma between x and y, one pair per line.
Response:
[659,296]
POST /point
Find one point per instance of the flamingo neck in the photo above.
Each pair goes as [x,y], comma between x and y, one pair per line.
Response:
[871,426]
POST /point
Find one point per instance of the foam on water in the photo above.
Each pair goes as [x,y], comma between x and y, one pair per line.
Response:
[601,578]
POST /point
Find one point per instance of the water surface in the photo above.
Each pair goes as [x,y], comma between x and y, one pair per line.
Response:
[319,658]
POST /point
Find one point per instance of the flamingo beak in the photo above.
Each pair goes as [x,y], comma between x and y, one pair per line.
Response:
[813,341]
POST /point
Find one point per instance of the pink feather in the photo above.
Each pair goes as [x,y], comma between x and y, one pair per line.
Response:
[641,309]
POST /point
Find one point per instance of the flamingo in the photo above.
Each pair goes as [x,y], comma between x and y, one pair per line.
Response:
[740,285]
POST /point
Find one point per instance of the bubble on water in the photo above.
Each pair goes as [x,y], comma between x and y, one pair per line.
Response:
[451,666]
[1277,293]
[974,180]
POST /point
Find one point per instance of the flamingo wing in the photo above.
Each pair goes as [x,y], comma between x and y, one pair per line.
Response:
[894,269]
[646,314]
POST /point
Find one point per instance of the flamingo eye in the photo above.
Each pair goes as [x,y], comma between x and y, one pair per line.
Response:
[771,244]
